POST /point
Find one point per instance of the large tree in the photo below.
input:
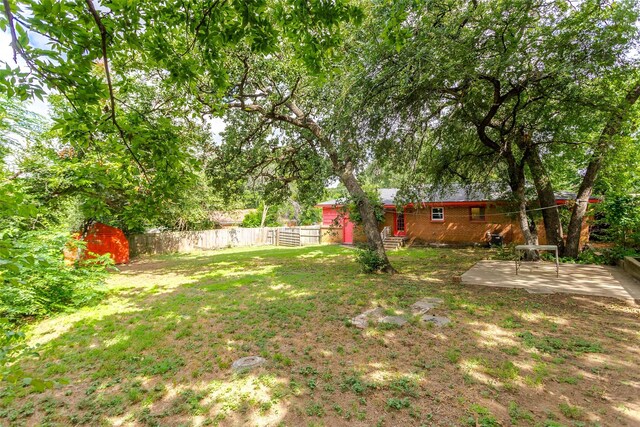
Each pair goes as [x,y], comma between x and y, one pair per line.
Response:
[288,125]
[260,57]
[484,90]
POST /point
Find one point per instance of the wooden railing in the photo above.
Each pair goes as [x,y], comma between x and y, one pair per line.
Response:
[385,233]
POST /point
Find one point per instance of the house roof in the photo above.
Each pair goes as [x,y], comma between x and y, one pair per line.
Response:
[451,194]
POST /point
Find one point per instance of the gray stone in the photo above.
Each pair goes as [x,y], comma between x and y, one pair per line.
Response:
[248,363]
[436,320]
[361,321]
[425,304]
[393,320]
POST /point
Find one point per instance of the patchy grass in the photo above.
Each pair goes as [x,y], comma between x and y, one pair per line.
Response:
[159,349]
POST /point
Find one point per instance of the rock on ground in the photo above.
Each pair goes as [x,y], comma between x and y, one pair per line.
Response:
[361,321]
[437,320]
[425,304]
[248,363]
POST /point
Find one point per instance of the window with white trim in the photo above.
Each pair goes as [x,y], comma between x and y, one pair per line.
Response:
[437,214]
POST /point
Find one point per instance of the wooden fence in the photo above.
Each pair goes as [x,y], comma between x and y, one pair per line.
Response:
[190,241]
[288,237]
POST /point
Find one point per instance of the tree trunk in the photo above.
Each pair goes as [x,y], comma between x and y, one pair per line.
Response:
[528,232]
[265,209]
[547,200]
[369,220]
[612,128]
[343,169]
[517,184]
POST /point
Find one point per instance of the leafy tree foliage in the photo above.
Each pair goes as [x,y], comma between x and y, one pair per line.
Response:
[493,91]
[620,215]
[136,76]
[256,219]
[33,276]
[351,205]
[34,279]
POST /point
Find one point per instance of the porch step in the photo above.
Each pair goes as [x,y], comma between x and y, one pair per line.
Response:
[393,242]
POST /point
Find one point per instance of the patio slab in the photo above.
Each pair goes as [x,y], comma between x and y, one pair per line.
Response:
[540,278]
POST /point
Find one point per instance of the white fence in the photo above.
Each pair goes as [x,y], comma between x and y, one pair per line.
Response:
[190,241]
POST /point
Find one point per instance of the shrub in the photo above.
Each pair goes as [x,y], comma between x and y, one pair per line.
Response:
[253,219]
[35,279]
[12,348]
[620,222]
[608,256]
[369,260]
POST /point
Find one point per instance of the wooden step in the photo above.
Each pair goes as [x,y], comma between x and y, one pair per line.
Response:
[393,242]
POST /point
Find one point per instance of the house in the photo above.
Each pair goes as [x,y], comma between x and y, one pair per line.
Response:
[454,216]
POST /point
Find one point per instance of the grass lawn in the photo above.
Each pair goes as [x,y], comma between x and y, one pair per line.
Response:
[158,350]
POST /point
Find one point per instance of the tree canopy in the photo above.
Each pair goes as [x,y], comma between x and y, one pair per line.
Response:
[530,95]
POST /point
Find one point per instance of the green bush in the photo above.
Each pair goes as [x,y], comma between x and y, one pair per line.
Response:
[253,219]
[620,220]
[608,256]
[369,260]
[618,223]
[35,279]
[12,348]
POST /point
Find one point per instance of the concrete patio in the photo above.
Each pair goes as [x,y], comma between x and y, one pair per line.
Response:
[540,278]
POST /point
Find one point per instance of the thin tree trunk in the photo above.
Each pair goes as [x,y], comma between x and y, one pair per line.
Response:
[265,209]
[611,129]
[529,233]
[369,220]
[547,200]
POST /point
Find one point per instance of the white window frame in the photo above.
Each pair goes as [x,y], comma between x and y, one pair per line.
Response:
[441,208]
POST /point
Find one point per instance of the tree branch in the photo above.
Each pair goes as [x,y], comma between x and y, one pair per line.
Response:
[112,99]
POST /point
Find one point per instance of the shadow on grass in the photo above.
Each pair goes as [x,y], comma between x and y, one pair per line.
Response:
[159,351]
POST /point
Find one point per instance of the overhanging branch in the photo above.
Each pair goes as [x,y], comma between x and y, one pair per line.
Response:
[112,99]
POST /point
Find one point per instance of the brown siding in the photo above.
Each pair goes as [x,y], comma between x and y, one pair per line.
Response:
[457,227]
[329,234]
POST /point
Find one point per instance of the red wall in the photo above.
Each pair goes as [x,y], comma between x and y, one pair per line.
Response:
[329,215]
[103,239]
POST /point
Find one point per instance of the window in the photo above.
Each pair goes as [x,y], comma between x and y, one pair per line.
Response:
[477,214]
[400,222]
[437,214]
